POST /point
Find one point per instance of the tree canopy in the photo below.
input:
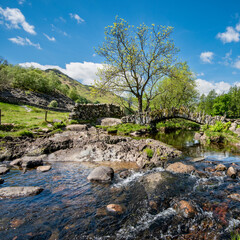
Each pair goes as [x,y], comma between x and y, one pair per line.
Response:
[136,59]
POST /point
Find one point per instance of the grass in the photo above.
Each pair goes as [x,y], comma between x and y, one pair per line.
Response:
[24,123]
[149,152]
[124,129]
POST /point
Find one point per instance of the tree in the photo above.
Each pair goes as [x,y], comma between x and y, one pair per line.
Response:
[178,89]
[135,59]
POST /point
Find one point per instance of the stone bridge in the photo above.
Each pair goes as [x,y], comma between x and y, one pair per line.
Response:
[153,117]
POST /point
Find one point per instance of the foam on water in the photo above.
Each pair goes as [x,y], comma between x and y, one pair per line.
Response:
[144,223]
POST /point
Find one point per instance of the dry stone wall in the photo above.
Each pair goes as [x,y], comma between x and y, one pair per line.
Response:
[94,111]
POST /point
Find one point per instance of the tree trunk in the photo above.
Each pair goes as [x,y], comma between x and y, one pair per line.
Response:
[140,103]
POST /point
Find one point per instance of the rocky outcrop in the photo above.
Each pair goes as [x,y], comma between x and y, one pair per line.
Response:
[15,192]
[101,174]
[94,111]
[41,100]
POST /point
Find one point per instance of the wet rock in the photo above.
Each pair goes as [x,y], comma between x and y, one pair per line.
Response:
[199,159]
[221,167]
[115,208]
[153,205]
[4,170]
[185,208]
[124,174]
[102,174]
[1,181]
[179,167]
[29,162]
[14,192]
[16,222]
[234,196]
[101,212]
[77,127]
[44,168]
[231,172]
[217,174]
[201,174]
[209,169]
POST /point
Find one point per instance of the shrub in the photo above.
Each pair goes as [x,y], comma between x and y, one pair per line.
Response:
[58,125]
[53,104]
[149,152]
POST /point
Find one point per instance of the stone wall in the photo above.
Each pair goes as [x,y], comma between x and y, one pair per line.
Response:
[94,111]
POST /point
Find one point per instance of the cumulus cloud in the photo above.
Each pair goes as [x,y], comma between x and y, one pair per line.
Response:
[207,57]
[52,39]
[84,72]
[204,86]
[13,18]
[24,42]
[230,35]
[77,17]
[237,63]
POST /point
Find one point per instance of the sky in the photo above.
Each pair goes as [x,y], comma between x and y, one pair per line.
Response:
[63,34]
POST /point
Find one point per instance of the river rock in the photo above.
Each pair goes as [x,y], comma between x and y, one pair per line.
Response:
[1,181]
[102,174]
[14,192]
[234,196]
[185,208]
[116,208]
[124,174]
[198,159]
[77,127]
[231,172]
[179,167]
[29,162]
[221,167]
[44,168]
[3,170]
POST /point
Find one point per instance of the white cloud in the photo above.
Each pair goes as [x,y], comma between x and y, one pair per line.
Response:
[24,42]
[21,2]
[49,38]
[84,72]
[15,19]
[204,86]
[200,74]
[231,35]
[55,29]
[206,57]
[237,63]
[77,17]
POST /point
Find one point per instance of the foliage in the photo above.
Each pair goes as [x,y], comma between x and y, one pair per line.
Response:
[135,59]
[26,133]
[149,152]
[217,127]
[179,89]
[226,103]
[178,124]
[60,125]
[53,104]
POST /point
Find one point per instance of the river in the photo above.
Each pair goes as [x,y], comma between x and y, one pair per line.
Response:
[70,207]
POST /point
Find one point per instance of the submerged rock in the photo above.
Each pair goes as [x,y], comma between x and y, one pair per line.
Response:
[116,208]
[179,167]
[234,196]
[44,168]
[102,174]
[1,181]
[185,208]
[4,170]
[14,192]
[124,174]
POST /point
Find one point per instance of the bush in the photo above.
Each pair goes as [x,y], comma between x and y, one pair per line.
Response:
[149,152]
[53,104]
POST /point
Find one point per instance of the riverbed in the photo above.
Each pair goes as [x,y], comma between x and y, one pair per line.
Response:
[71,207]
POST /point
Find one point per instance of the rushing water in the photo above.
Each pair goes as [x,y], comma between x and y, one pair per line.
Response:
[70,207]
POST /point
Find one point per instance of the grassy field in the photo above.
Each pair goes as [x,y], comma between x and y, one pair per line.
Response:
[25,120]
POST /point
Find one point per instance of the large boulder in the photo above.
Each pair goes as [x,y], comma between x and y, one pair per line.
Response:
[77,127]
[29,162]
[14,192]
[220,167]
[179,167]
[102,174]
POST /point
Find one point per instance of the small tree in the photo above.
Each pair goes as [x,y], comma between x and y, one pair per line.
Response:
[135,59]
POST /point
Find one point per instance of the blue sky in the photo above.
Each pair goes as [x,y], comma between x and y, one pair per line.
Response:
[63,34]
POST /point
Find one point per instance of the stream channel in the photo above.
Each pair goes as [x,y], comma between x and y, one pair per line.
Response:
[71,207]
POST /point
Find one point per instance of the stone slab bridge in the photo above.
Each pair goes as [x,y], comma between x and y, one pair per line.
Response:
[153,117]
